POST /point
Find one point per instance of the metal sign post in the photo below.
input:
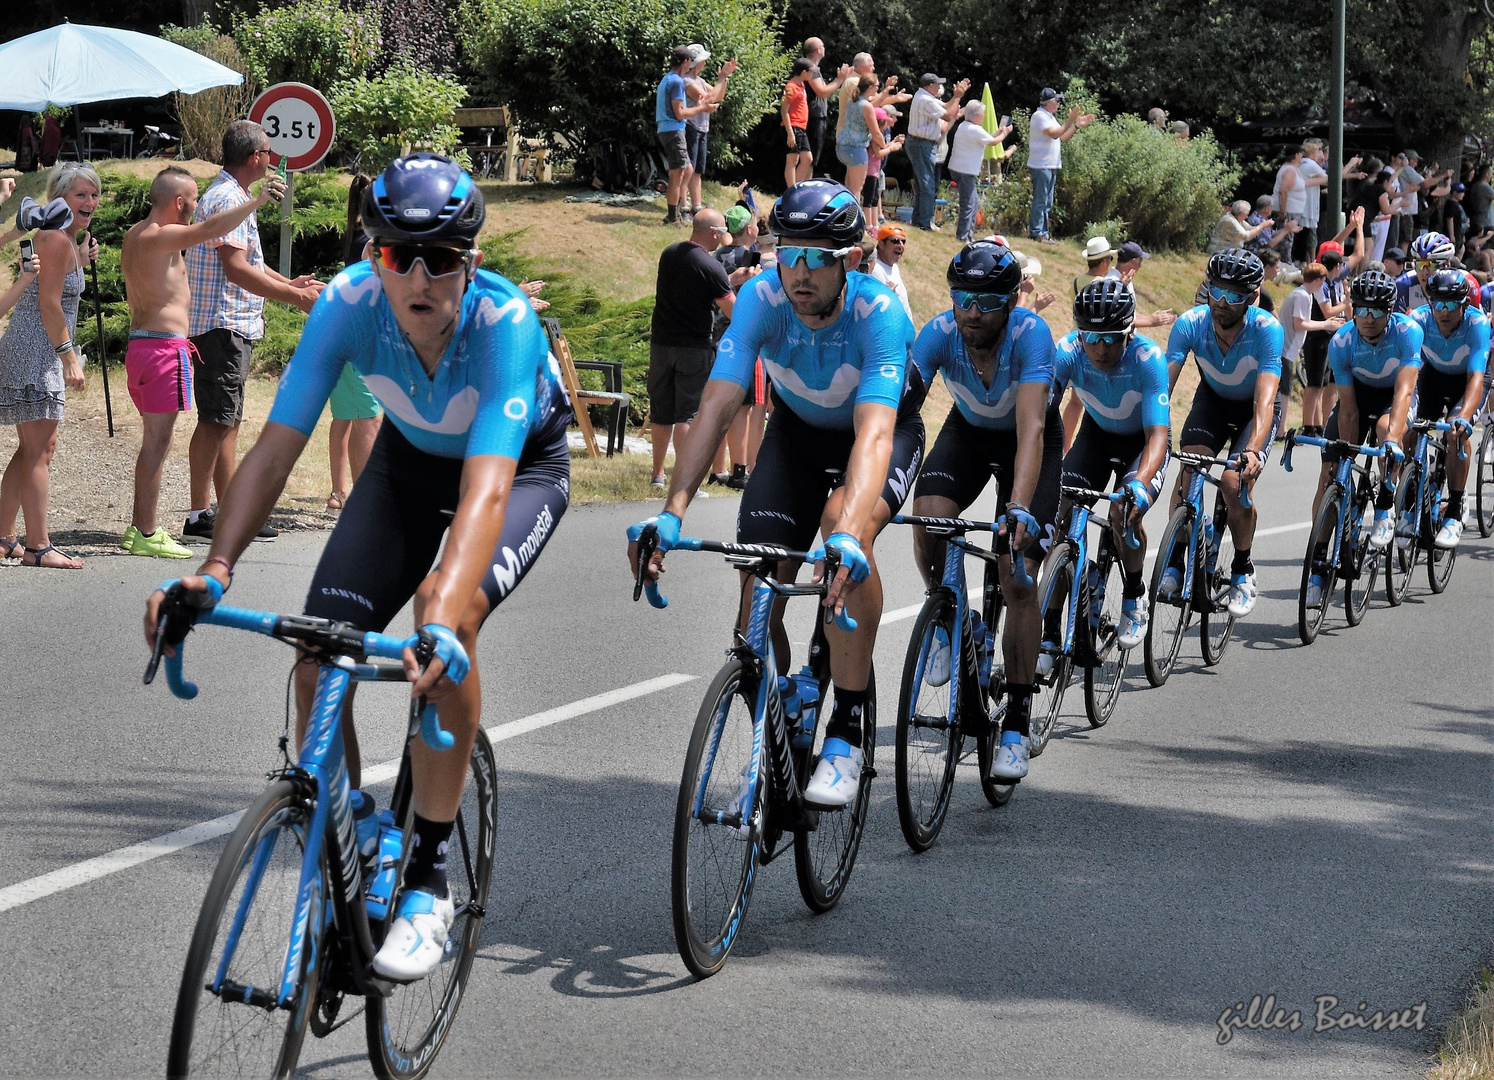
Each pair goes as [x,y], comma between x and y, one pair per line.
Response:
[299,125]
[287,207]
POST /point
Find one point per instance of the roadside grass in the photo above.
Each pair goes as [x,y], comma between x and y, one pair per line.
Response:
[1467,1050]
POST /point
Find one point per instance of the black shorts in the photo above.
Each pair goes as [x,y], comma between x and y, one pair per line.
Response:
[1315,371]
[798,466]
[1091,461]
[1373,402]
[964,457]
[391,529]
[677,375]
[801,142]
[1217,422]
[871,191]
[221,370]
[676,154]
[1438,393]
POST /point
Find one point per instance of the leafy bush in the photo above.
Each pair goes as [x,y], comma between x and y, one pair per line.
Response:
[1114,229]
[589,69]
[317,42]
[203,116]
[377,117]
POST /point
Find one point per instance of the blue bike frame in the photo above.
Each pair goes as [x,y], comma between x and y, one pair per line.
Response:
[1196,466]
[1078,536]
[1422,455]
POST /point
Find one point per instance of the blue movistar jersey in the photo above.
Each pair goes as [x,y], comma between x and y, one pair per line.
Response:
[1023,355]
[1130,397]
[1486,299]
[1256,350]
[1465,352]
[1409,295]
[1353,359]
[821,375]
[495,384]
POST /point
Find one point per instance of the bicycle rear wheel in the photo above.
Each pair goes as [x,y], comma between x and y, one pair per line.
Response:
[1404,550]
[1324,522]
[1483,484]
[1053,606]
[405,1030]
[1357,563]
[1103,682]
[1216,623]
[248,914]
[1439,560]
[1170,618]
[713,865]
[928,728]
[824,856]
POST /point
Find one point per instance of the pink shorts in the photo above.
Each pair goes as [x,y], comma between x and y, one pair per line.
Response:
[158,368]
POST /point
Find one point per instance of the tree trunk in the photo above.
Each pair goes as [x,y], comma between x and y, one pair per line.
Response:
[1447,35]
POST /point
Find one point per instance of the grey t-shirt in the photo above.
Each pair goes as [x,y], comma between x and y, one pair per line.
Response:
[819,108]
[1314,204]
[695,89]
[1480,199]
[1411,181]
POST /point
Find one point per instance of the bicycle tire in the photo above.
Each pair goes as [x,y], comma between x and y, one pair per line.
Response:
[1216,625]
[1483,485]
[708,914]
[405,1030]
[1357,562]
[928,729]
[1310,620]
[1440,561]
[1103,682]
[241,1028]
[996,793]
[1400,562]
[1170,619]
[825,855]
[1053,595]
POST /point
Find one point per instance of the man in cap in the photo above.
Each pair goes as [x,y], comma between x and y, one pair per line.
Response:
[1127,262]
[892,242]
[1045,157]
[929,118]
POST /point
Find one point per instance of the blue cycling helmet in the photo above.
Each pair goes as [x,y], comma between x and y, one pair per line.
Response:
[985,267]
[1434,246]
[424,198]
[1448,284]
[818,210]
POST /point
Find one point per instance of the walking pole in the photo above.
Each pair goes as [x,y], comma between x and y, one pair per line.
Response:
[98,312]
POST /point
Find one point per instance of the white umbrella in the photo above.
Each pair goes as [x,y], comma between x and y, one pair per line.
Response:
[75,65]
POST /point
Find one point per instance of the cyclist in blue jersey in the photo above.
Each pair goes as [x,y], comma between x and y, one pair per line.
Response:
[997,362]
[475,442]
[1237,347]
[1455,361]
[841,449]
[1119,382]
[1375,360]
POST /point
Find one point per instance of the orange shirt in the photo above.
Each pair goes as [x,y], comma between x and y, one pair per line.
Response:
[798,104]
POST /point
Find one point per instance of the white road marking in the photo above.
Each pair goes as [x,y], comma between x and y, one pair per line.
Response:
[899,614]
[67,877]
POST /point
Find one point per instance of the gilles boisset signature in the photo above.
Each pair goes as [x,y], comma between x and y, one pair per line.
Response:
[1263,1014]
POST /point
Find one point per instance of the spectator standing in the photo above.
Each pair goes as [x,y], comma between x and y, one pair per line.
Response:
[819,101]
[795,116]
[1412,183]
[929,118]
[1480,202]
[746,432]
[1230,231]
[967,151]
[871,192]
[1315,178]
[1311,314]
[857,134]
[1454,218]
[38,360]
[680,353]
[670,113]
[1045,157]
[892,244]
[1395,262]
[356,414]
[698,124]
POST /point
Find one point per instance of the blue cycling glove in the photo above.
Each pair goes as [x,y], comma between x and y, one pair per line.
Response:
[1016,515]
[1462,427]
[851,555]
[667,525]
[1139,495]
[1393,448]
[442,642]
[183,606]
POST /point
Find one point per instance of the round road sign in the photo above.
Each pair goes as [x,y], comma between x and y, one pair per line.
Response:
[298,121]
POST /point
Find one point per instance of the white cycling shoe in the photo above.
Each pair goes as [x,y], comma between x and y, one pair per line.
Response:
[1242,595]
[1449,535]
[1012,757]
[1172,581]
[1131,629]
[1383,531]
[1314,591]
[936,673]
[837,777]
[417,940]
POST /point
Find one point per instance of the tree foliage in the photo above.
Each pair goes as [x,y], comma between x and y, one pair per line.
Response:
[317,42]
[379,116]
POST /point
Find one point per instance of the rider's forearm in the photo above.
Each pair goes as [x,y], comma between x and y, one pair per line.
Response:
[1157,440]
[1472,395]
[256,485]
[487,480]
[1265,404]
[1031,422]
[866,472]
[718,408]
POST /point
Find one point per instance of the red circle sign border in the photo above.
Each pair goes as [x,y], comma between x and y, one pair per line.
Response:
[313,97]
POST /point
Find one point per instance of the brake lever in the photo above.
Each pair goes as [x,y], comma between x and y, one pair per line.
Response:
[648,543]
[423,715]
[843,619]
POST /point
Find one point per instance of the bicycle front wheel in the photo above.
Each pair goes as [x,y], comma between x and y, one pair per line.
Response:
[824,856]
[1483,484]
[1439,560]
[928,727]
[1103,681]
[1324,523]
[405,1030]
[1217,624]
[1170,617]
[1053,606]
[229,1019]
[1401,556]
[1358,564]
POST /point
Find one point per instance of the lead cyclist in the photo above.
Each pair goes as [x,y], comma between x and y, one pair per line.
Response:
[475,441]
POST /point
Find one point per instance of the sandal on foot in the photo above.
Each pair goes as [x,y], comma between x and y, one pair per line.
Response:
[11,547]
[335,501]
[37,554]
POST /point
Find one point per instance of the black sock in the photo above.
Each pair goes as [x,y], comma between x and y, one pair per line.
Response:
[1454,505]
[1386,498]
[1018,709]
[845,718]
[1177,557]
[1242,563]
[427,866]
[1320,553]
[1133,586]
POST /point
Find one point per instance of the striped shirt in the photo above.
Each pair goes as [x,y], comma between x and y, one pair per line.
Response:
[216,301]
[925,117]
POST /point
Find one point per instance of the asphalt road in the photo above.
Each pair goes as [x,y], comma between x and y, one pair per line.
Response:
[1296,822]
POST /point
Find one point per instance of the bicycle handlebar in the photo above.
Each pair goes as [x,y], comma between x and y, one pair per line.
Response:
[1442,425]
[1339,446]
[1236,463]
[962,525]
[1128,534]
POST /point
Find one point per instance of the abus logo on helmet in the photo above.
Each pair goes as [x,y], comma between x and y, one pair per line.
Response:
[798,215]
[415,212]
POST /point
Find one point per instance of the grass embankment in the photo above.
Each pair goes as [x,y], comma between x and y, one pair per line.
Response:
[1467,1050]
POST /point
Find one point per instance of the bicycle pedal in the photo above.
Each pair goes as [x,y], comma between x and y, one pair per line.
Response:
[868,773]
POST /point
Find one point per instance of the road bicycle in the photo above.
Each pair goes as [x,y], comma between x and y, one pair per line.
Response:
[1483,481]
[751,753]
[1080,625]
[293,917]
[1419,498]
[933,721]
[1199,549]
[1344,522]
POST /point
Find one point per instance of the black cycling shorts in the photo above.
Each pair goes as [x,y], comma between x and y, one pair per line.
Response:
[1091,461]
[964,457]
[1373,402]
[1217,422]
[1438,393]
[391,529]
[798,466]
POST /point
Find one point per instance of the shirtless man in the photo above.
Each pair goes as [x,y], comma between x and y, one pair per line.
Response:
[158,362]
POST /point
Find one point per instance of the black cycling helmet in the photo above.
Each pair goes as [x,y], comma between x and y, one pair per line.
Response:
[1373,288]
[424,198]
[985,267]
[1448,284]
[1236,268]
[1105,304]
[818,210]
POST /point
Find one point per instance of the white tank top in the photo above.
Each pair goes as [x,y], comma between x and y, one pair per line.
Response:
[1296,195]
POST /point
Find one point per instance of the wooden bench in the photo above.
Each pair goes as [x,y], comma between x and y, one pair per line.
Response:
[613,397]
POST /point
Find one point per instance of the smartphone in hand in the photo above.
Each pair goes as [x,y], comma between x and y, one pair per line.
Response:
[28,252]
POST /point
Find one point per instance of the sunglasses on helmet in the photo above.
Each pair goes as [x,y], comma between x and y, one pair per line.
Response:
[1228,296]
[1366,312]
[813,257]
[1103,337]
[981,301]
[1446,305]
[439,261]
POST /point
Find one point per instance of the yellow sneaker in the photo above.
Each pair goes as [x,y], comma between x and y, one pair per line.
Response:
[159,545]
[131,536]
